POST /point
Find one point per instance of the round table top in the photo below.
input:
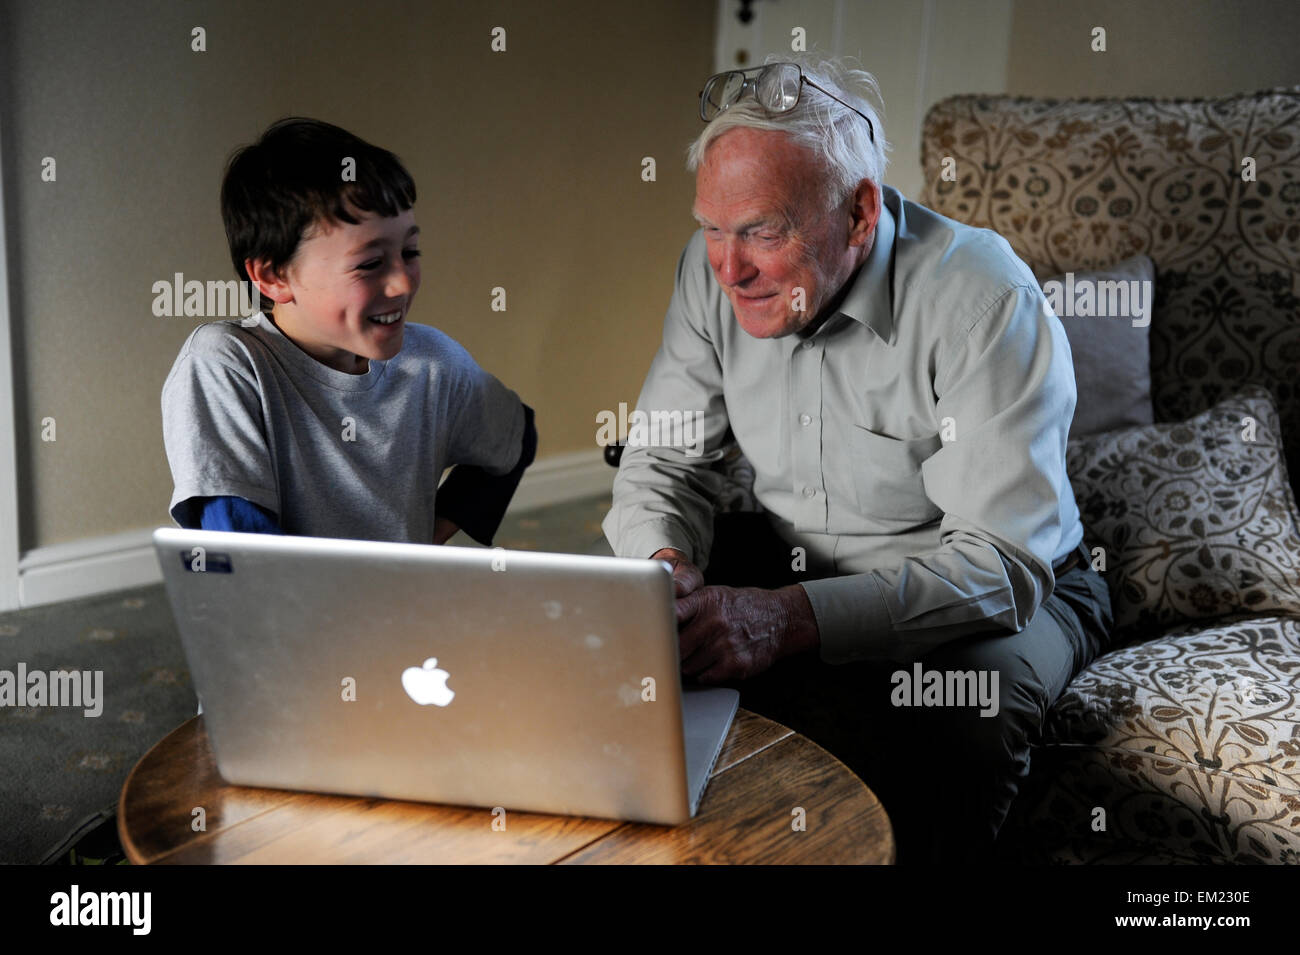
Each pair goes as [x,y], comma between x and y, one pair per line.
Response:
[773,797]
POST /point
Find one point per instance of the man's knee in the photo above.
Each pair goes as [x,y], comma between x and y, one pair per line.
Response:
[994,736]
[976,702]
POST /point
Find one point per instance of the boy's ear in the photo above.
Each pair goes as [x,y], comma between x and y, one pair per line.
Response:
[269,282]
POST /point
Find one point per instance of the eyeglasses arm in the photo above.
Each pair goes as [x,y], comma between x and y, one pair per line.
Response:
[870,126]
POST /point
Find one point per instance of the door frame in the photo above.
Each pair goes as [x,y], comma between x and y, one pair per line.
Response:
[9,543]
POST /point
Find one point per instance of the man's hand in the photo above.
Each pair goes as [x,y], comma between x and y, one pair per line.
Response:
[687,578]
[726,633]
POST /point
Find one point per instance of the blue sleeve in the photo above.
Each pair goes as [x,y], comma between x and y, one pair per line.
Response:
[236,514]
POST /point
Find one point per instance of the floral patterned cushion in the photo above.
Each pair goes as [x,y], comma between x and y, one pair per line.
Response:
[1196,520]
[1082,184]
[1189,744]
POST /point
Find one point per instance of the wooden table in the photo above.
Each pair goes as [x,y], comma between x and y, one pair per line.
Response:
[764,773]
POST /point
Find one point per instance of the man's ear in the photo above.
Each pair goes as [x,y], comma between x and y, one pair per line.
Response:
[864,212]
[270,282]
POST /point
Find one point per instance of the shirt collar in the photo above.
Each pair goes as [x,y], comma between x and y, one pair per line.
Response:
[870,298]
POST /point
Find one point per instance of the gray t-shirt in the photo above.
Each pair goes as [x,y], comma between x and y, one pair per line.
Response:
[249,414]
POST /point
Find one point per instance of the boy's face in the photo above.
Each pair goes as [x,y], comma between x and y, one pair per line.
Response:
[341,278]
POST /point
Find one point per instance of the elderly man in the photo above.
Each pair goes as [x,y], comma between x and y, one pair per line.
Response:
[903,395]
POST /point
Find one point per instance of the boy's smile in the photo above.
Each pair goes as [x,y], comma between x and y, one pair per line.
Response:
[346,295]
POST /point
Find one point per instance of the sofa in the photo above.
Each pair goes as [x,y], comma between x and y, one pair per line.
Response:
[1181,744]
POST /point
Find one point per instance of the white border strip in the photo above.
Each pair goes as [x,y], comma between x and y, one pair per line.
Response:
[101,564]
[9,544]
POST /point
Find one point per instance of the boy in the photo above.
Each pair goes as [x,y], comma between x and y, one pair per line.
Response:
[326,414]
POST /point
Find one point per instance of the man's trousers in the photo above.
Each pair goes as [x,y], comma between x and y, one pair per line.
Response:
[946,774]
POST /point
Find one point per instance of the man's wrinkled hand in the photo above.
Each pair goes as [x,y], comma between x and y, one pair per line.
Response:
[687,578]
[728,633]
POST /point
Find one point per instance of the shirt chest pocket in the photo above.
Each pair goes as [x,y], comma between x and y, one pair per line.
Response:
[887,478]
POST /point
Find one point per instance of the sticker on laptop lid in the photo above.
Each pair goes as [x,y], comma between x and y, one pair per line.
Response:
[197,560]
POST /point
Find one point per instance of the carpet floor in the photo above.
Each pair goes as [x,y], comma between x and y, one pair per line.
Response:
[61,771]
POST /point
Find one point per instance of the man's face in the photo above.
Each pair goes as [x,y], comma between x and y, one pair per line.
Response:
[341,278]
[773,245]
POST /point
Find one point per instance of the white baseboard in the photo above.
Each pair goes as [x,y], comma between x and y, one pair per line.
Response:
[82,568]
[97,565]
[561,478]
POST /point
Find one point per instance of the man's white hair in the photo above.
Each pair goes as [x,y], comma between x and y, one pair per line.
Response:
[839,137]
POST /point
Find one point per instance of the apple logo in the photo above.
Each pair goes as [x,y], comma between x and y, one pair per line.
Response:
[427,684]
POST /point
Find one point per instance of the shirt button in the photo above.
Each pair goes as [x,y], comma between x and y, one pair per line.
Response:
[807,345]
[810,492]
[805,420]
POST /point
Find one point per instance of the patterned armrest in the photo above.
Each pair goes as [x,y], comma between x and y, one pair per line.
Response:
[1209,189]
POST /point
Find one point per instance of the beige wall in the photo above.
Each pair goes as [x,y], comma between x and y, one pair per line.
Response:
[924,50]
[528,165]
[1153,47]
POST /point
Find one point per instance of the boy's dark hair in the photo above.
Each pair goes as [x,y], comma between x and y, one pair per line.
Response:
[292,177]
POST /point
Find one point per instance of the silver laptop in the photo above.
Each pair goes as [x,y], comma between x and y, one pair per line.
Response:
[534,682]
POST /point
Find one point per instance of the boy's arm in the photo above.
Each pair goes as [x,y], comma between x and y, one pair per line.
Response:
[475,501]
[444,529]
[214,430]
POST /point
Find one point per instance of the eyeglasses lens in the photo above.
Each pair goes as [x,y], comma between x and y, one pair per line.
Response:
[722,91]
[778,87]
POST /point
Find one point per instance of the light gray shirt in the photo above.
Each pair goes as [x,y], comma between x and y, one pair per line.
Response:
[247,413]
[913,446]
